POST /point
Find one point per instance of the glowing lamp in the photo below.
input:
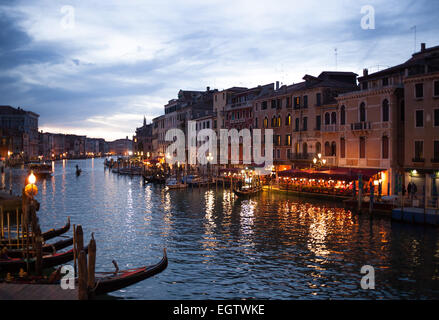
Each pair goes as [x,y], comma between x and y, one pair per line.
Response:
[319,155]
[324,161]
[375,182]
[31,189]
[32,179]
[314,160]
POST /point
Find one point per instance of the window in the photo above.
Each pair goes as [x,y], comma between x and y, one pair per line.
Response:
[436,118]
[318,122]
[279,103]
[419,150]
[333,118]
[265,122]
[327,149]
[385,82]
[343,115]
[362,112]
[273,121]
[273,104]
[305,101]
[436,88]
[305,149]
[342,148]
[279,121]
[319,99]
[296,102]
[419,90]
[364,85]
[305,123]
[278,153]
[289,153]
[288,120]
[385,147]
[256,122]
[419,118]
[288,140]
[327,118]
[318,148]
[436,151]
[362,147]
[297,125]
[333,149]
[264,105]
[385,110]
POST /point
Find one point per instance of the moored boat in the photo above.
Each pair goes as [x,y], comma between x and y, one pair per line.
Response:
[246,192]
[48,261]
[112,281]
[40,169]
[173,183]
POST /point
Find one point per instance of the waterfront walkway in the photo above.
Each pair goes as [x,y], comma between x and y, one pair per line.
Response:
[10,291]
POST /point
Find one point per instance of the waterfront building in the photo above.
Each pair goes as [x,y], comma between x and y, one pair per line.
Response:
[303,117]
[20,127]
[142,140]
[123,147]
[158,138]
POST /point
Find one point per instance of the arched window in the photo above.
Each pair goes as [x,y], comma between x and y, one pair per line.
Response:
[327,149]
[327,118]
[362,112]
[385,110]
[385,147]
[342,115]
[318,148]
[342,148]
[279,121]
[265,122]
[333,118]
[305,148]
[333,149]
[297,148]
[273,121]
[288,120]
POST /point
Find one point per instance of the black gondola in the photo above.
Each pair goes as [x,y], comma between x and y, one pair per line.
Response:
[47,248]
[50,234]
[48,261]
[124,278]
[247,192]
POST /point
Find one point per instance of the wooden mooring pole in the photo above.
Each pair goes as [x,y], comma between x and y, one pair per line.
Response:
[91,266]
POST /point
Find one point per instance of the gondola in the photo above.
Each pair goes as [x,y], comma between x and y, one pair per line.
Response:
[47,248]
[50,234]
[48,261]
[107,282]
[115,281]
[247,192]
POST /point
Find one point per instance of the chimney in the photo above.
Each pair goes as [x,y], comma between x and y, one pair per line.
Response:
[422,47]
[208,89]
[365,72]
[277,85]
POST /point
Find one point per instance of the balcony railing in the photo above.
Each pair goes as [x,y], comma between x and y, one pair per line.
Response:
[360,126]
[417,159]
[301,156]
[330,128]
[434,160]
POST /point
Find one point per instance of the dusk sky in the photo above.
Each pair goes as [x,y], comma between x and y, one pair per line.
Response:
[97,67]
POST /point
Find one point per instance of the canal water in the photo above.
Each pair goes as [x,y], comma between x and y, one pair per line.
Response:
[274,246]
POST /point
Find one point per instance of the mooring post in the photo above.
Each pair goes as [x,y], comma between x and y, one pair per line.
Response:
[91,265]
[82,276]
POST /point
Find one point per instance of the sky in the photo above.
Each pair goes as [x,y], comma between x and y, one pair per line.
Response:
[96,68]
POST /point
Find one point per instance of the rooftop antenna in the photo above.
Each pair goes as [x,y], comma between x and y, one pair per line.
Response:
[414,29]
[336,66]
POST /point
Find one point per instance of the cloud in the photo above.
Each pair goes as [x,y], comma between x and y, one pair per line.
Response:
[130,58]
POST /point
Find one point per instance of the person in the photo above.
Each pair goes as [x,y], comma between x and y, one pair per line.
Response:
[412,189]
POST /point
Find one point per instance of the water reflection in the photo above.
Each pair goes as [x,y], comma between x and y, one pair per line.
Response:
[222,247]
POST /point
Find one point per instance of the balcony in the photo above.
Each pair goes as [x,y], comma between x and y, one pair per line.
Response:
[360,126]
[330,128]
[434,160]
[301,156]
[418,159]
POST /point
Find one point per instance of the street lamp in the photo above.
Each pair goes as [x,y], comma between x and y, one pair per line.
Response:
[319,162]
[31,189]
